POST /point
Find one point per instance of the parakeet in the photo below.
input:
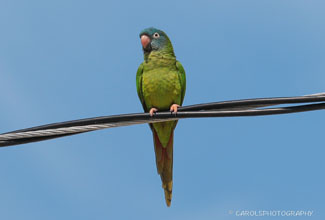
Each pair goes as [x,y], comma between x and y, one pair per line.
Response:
[161,86]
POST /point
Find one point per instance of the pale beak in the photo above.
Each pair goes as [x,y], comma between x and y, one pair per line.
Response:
[145,40]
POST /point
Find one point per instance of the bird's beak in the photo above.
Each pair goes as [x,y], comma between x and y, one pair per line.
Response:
[145,41]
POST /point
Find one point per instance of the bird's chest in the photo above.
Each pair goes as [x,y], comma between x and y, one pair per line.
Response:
[161,88]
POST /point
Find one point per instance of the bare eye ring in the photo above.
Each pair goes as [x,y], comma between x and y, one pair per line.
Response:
[156,35]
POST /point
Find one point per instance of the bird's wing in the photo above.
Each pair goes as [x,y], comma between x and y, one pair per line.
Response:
[182,79]
[139,87]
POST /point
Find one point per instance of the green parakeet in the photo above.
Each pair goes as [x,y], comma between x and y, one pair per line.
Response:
[161,86]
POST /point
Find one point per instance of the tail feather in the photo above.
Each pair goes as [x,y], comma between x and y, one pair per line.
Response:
[164,162]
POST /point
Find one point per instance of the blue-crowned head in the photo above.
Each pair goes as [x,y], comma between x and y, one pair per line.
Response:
[153,39]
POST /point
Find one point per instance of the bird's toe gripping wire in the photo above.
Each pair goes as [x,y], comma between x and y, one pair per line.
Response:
[152,111]
[174,108]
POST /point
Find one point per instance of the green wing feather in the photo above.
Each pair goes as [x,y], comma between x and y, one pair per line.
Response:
[182,79]
[139,87]
[139,90]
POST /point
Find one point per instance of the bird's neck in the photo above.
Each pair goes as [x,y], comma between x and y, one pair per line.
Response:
[160,58]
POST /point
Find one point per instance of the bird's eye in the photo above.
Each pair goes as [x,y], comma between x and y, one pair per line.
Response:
[156,35]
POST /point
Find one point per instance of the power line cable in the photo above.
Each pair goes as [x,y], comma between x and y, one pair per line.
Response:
[234,108]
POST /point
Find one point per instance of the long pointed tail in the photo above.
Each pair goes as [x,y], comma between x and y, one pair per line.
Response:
[164,162]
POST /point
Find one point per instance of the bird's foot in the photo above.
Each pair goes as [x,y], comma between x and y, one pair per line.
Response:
[152,111]
[174,108]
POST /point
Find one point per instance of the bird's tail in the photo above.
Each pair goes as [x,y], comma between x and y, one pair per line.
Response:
[164,162]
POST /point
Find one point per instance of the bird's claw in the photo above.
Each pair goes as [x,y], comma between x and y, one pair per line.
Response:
[174,108]
[152,111]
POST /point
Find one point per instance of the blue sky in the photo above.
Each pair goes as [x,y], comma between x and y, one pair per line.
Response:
[63,60]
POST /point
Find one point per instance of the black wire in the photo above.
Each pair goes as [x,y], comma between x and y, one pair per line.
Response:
[31,140]
[159,115]
[254,102]
[233,104]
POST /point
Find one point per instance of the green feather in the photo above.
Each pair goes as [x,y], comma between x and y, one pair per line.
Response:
[182,79]
[161,82]
[139,86]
